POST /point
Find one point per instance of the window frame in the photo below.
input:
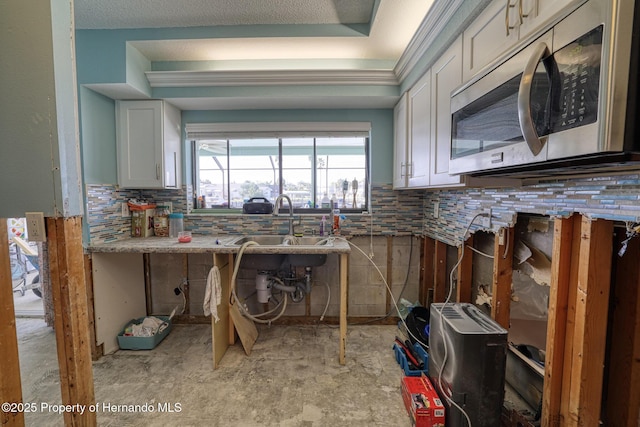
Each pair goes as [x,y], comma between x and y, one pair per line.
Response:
[196,132]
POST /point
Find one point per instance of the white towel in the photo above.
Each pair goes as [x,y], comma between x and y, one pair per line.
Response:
[212,293]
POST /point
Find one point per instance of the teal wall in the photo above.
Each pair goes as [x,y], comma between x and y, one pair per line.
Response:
[98,132]
[39,149]
[99,136]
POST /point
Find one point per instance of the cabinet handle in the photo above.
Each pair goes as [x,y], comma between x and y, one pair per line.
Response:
[507,24]
[157,171]
[402,165]
[521,11]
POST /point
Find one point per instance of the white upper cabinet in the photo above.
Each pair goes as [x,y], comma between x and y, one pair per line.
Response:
[422,121]
[419,141]
[148,144]
[400,143]
[500,26]
[446,76]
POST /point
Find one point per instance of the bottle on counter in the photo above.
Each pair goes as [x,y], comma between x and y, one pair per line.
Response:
[336,221]
[176,224]
[161,221]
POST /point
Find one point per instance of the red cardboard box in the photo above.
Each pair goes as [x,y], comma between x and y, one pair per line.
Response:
[422,402]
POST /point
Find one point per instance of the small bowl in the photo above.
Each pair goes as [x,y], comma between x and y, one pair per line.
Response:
[184,237]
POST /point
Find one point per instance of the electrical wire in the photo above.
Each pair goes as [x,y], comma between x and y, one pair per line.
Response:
[404,287]
[393,299]
[471,248]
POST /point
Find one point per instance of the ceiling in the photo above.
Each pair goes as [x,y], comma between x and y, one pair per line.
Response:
[265,35]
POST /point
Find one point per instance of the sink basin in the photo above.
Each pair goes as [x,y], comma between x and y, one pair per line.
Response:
[278,240]
[265,262]
[273,261]
[305,260]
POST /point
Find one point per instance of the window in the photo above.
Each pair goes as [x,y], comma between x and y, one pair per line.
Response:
[311,170]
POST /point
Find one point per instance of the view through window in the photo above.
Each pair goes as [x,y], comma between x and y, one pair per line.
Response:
[311,171]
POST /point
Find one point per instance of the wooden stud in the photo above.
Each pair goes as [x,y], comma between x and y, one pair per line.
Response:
[185,288]
[66,262]
[96,351]
[428,270]
[572,293]
[222,331]
[592,305]
[502,278]
[623,391]
[10,386]
[440,273]
[465,272]
[389,277]
[344,263]
[147,283]
[557,319]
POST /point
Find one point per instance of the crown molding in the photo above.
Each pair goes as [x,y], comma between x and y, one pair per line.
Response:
[272,78]
[432,25]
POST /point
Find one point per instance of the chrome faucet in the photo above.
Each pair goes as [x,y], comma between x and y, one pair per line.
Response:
[276,210]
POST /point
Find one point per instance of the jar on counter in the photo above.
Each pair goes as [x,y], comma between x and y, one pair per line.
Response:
[176,224]
[161,221]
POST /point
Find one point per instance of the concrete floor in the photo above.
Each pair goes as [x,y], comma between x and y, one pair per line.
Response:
[292,378]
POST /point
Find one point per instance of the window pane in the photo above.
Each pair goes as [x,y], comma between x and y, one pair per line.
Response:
[341,171]
[212,172]
[253,170]
[297,166]
[311,171]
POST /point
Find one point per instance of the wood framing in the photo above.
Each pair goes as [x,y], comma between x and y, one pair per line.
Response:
[556,327]
[344,277]
[502,277]
[389,278]
[592,306]
[427,270]
[222,331]
[577,329]
[623,391]
[465,272]
[440,272]
[10,386]
[66,262]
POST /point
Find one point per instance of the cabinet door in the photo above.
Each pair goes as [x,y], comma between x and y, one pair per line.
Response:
[400,143]
[537,12]
[446,76]
[419,132]
[489,35]
[172,167]
[139,145]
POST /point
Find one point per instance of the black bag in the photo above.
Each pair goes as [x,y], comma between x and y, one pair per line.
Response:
[417,320]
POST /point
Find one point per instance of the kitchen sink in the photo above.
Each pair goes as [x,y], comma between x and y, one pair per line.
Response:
[263,262]
[281,250]
[278,240]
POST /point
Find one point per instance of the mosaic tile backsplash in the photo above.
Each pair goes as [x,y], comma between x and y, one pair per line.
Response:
[615,198]
[395,212]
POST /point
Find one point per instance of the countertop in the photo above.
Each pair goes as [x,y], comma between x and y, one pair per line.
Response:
[210,244]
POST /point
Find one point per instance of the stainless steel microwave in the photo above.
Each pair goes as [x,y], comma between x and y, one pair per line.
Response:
[565,98]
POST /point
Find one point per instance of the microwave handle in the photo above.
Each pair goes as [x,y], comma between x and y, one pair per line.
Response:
[527,126]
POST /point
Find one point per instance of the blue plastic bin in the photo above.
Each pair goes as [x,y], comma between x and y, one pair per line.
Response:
[404,364]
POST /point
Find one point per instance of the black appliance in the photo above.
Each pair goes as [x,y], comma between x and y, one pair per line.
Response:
[471,371]
[257,205]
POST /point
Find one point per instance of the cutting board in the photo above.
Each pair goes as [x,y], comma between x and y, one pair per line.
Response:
[247,330]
